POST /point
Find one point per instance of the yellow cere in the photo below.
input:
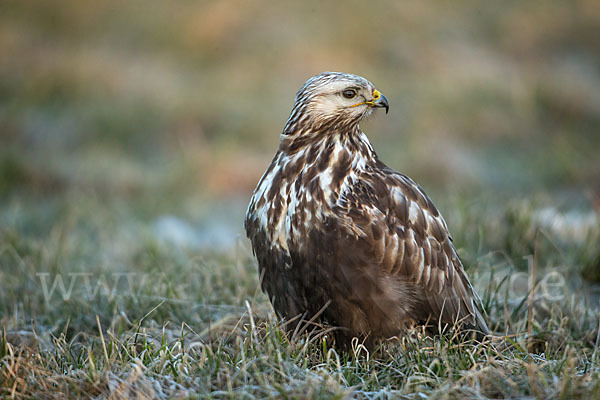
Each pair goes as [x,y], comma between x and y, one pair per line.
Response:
[376,95]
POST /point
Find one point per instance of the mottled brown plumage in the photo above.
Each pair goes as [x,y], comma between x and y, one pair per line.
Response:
[336,230]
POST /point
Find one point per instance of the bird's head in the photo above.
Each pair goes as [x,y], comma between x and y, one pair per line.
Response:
[334,99]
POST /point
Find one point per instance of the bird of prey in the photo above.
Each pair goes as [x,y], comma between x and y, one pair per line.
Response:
[341,236]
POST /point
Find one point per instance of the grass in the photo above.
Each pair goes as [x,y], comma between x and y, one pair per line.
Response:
[155,320]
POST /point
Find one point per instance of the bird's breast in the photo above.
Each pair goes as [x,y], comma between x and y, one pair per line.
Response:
[302,190]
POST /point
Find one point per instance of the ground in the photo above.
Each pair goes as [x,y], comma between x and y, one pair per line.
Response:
[95,302]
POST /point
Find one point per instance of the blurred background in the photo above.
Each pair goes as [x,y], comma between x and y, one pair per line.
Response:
[160,117]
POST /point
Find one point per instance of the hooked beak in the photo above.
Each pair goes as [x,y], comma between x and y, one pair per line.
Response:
[379,101]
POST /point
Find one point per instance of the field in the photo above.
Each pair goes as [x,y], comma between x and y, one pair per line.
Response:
[132,135]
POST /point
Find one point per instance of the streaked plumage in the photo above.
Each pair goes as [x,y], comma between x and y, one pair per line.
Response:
[333,227]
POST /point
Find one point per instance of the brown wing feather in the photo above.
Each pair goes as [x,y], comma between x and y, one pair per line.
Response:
[414,246]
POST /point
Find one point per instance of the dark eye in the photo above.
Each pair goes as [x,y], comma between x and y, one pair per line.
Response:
[349,93]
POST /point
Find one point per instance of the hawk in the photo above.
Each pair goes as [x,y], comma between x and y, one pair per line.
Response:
[341,236]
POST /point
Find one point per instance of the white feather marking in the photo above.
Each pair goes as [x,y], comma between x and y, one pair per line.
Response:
[335,153]
[442,280]
[420,262]
[413,212]
[426,270]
